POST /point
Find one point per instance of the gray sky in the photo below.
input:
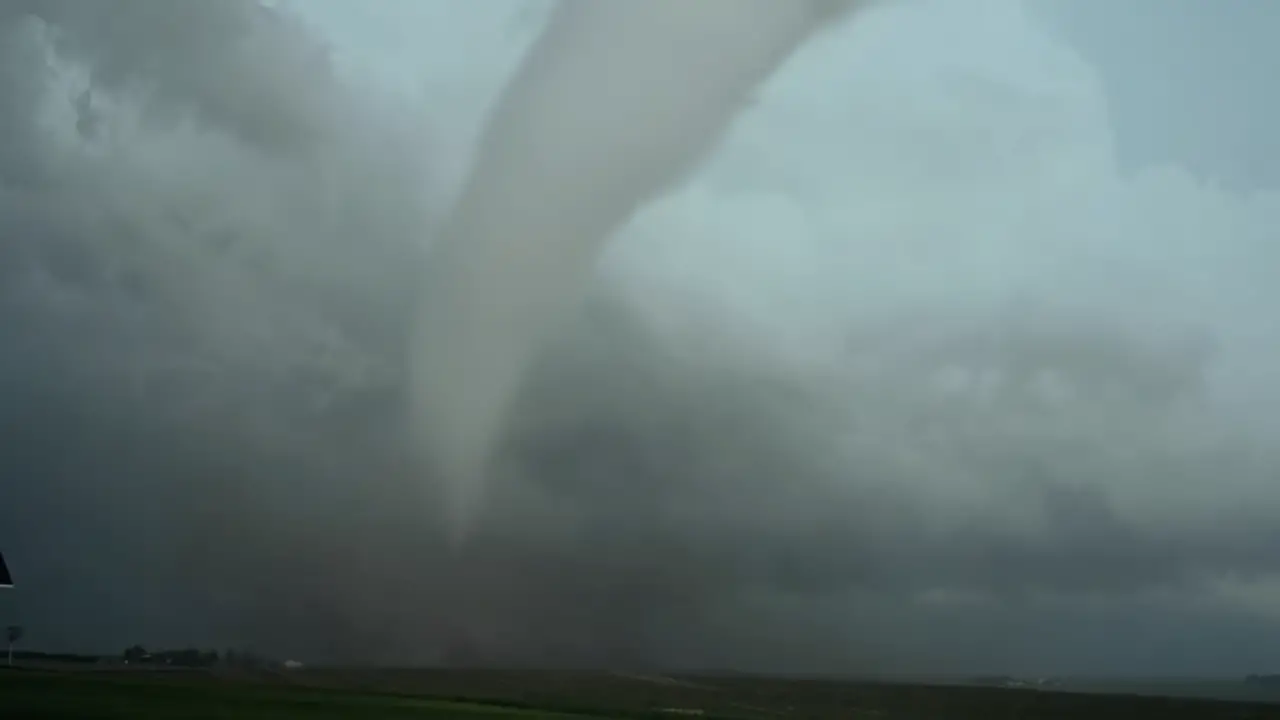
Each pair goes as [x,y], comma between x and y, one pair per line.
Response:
[954,356]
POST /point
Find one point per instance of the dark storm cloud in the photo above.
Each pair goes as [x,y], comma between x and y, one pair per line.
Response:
[243,69]
[204,305]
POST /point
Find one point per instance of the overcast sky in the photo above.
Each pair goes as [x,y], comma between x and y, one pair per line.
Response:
[957,354]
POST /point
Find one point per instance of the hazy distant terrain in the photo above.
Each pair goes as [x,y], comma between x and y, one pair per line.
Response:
[1220,689]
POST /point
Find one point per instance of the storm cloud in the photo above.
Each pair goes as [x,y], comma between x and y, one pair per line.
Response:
[907,365]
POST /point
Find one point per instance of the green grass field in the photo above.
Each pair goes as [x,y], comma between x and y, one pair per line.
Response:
[50,696]
[378,694]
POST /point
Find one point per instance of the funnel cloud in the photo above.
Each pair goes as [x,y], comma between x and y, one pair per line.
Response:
[894,365]
[614,103]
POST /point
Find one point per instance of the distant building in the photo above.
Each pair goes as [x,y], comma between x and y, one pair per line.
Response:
[6,580]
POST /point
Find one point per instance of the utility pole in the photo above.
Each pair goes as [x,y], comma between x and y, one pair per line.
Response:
[13,634]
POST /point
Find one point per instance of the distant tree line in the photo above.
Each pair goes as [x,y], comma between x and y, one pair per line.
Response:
[193,658]
[187,657]
[36,656]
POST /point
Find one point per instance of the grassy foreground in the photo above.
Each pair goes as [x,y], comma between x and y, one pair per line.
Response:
[59,696]
[378,694]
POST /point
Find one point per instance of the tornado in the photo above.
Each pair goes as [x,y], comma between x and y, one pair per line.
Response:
[614,104]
